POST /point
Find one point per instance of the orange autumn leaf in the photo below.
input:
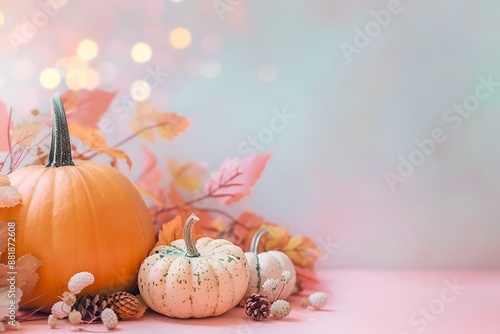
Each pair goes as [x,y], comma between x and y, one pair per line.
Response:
[174,230]
[209,225]
[168,124]
[187,176]
[96,142]
[302,251]
[9,196]
[86,107]
[26,134]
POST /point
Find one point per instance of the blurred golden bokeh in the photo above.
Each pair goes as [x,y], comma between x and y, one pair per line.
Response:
[87,49]
[50,78]
[141,52]
[180,38]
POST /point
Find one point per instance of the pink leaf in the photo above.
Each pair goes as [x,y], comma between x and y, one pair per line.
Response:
[9,196]
[26,134]
[151,175]
[86,107]
[4,125]
[235,178]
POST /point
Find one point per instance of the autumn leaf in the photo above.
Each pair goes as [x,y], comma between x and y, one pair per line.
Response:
[188,176]
[26,276]
[9,196]
[168,124]
[96,142]
[207,224]
[235,178]
[151,175]
[302,251]
[4,125]
[27,133]
[174,230]
[86,107]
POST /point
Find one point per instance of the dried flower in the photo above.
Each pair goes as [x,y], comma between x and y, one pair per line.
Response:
[304,303]
[69,298]
[270,285]
[52,321]
[281,309]
[60,310]
[109,318]
[75,317]
[318,300]
[80,281]
[286,276]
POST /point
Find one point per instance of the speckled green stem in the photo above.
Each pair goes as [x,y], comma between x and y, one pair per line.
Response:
[189,238]
[254,245]
[60,145]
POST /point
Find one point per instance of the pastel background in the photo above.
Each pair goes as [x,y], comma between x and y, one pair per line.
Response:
[351,120]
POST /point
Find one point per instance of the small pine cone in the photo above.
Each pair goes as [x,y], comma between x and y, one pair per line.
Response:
[258,307]
[90,306]
[124,304]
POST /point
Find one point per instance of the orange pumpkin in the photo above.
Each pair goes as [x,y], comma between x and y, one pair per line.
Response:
[81,216]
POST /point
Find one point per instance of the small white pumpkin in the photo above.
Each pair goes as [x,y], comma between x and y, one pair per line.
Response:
[268,265]
[194,280]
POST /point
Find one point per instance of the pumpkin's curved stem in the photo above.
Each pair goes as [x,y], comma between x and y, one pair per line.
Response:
[189,238]
[60,145]
[254,245]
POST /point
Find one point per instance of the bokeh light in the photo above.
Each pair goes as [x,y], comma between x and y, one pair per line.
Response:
[140,90]
[22,69]
[50,78]
[210,69]
[141,52]
[180,38]
[176,0]
[93,79]
[267,73]
[87,49]
[2,18]
[76,79]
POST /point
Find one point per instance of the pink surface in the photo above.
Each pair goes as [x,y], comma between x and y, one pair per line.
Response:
[371,302]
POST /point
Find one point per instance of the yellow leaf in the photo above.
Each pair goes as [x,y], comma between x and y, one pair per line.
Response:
[27,133]
[156,200]
[137,126]
[188,176]
[302,251]
[171,125]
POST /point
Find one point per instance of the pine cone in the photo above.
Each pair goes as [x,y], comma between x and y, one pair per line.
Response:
[258,307]
[90,306]
[124,304]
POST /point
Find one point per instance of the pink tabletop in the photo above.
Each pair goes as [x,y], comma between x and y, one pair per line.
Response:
[362,302]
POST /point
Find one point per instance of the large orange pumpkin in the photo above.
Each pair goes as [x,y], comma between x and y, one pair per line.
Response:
[81,216]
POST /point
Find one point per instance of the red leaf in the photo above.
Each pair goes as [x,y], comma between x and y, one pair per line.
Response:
[235,178]
[86,106]
[4,125]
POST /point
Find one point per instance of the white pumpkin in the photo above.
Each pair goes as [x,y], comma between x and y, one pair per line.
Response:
[268,265]
[194,280]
